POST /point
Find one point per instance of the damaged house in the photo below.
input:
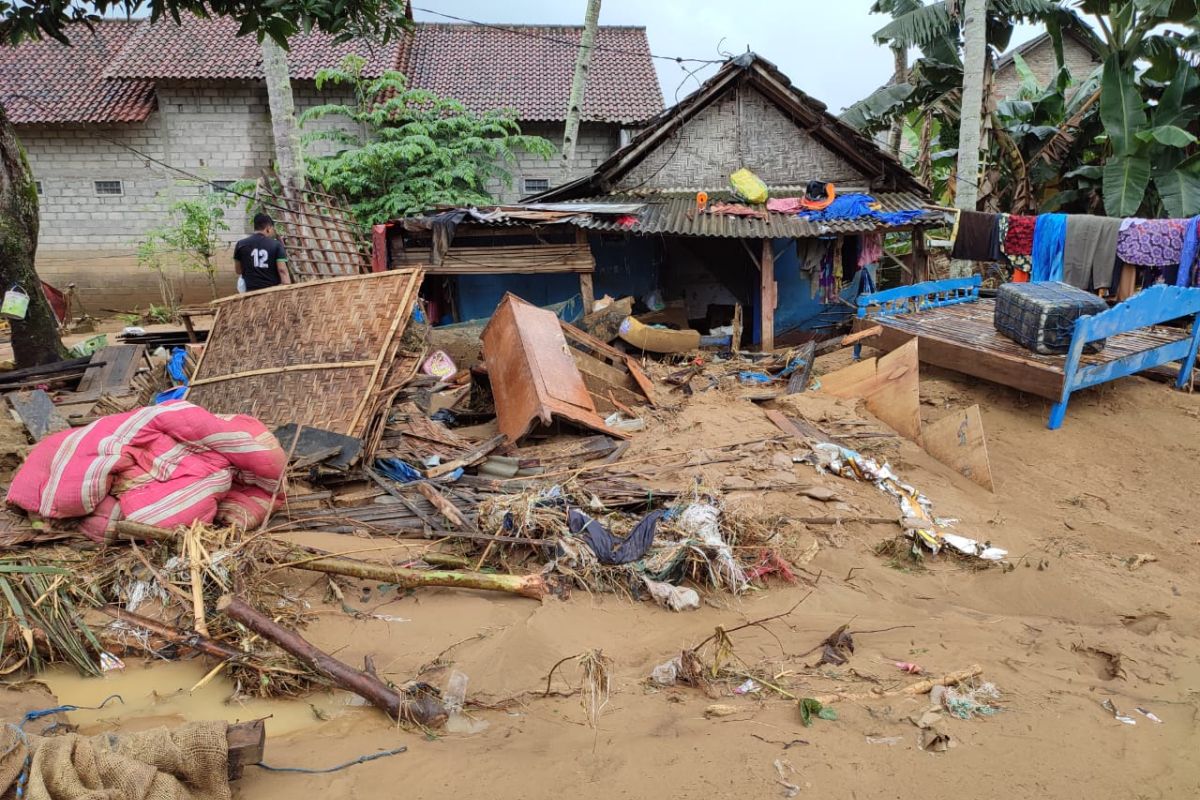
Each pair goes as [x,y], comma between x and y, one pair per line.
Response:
[660,222]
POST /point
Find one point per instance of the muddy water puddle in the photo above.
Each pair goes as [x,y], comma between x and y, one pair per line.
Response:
[161,693]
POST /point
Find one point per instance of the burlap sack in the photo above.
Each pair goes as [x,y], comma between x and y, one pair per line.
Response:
[187,763]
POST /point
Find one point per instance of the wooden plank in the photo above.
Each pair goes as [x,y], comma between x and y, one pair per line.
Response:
[245,742]
[890,387]
[1127,284]
[120,363]
[767,297]
[37,413]
[1042,380]
[958,441]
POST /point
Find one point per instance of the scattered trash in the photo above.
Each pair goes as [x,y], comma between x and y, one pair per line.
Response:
[966,703]
[676,598]
[439,365]
[1140,559]
[667,673]
[888,740]
[453,698]
[847,463]
[1111,708]
[909,667]
[1150,715]
[749,687]
[721,710]
[932,741]
[784,768]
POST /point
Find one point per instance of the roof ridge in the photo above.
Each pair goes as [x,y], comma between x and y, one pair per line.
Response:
[503,25]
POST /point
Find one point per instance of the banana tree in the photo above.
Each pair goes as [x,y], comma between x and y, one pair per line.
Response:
[1154,158]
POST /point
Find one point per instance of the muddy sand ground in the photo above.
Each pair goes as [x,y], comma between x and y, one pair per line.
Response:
[1070,625]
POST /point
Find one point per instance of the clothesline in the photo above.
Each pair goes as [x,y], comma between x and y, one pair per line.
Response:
[1084,250]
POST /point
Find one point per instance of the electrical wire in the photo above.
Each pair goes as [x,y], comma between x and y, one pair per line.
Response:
[567,42]
[322,771]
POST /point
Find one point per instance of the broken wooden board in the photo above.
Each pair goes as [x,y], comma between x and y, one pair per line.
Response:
[37,413]
[890,386]
[614,379]
[605,323]
[957,440]
[533,374]
[111,373]
[334,450]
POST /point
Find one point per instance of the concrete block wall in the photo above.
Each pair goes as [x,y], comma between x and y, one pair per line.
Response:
[743,129]
[1043,64]
[597,141]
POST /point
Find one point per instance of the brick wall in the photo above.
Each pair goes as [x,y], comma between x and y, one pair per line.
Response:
[217,132]
[597,141]
[1043,64]
[743,129]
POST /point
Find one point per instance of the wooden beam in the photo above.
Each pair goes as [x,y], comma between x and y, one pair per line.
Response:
[245,742]
[767,297]
[586,291]
[920,256]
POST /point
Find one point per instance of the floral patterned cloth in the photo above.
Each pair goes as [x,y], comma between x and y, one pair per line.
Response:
[1151,242]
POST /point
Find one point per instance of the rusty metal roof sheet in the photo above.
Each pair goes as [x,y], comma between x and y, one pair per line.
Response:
[676,215]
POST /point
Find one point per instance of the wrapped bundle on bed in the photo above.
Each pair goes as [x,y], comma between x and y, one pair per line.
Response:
[1041,316]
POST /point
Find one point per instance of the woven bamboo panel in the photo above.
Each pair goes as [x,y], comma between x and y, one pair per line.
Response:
[522,259]
[321,237]
[314,353]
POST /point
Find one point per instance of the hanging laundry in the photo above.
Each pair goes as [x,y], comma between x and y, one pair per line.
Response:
[736,210]
[1090,251]
[1189,254]
[1016,241]
[978,237]
[1049,235]
[870,249]
[828,293]
[1151,242]
[785,205]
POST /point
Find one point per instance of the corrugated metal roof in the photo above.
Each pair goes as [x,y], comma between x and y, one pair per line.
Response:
[676,215]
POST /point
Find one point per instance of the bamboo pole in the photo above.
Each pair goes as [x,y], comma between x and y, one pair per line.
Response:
[188,639]
[531,586]
[920,687]
[425,711]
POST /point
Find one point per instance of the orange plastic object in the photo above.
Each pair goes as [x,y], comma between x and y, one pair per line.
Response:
[1020,276]
[701,200]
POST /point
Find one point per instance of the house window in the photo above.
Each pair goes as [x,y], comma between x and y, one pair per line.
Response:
[534,185]
[220,187]
[38,184]
[108,188]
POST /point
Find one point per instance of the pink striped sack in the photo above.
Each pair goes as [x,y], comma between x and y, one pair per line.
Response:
[165,465]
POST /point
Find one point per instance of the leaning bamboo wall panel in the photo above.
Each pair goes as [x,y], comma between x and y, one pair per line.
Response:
[321,238]
[313,353]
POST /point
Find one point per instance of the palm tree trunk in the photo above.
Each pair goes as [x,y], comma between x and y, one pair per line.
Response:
[289,153]
[35,339]
[899,76]
[971,124]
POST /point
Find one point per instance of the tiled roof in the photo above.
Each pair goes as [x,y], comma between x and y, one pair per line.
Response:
[107,76]
[675,214]
[210,49]
[46,83]
[529,68]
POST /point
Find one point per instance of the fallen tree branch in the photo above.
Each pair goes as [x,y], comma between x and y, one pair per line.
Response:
[422,710]
[182,638]
[920,687]
[531,586]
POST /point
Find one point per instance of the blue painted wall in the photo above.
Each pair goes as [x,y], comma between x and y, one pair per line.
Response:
[797,308]
[626,265]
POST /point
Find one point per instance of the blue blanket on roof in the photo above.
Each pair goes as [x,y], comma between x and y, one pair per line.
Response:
[858,206]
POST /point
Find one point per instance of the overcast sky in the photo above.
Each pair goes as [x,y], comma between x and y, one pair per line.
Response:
[824,46]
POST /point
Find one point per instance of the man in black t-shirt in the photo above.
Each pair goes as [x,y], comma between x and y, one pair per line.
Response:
[259,259]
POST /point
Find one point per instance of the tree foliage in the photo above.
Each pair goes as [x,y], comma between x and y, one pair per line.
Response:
[1123,141]
[279,19]
[413,150]
[190,238]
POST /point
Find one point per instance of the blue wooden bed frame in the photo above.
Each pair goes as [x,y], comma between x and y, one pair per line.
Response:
[1151,306]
